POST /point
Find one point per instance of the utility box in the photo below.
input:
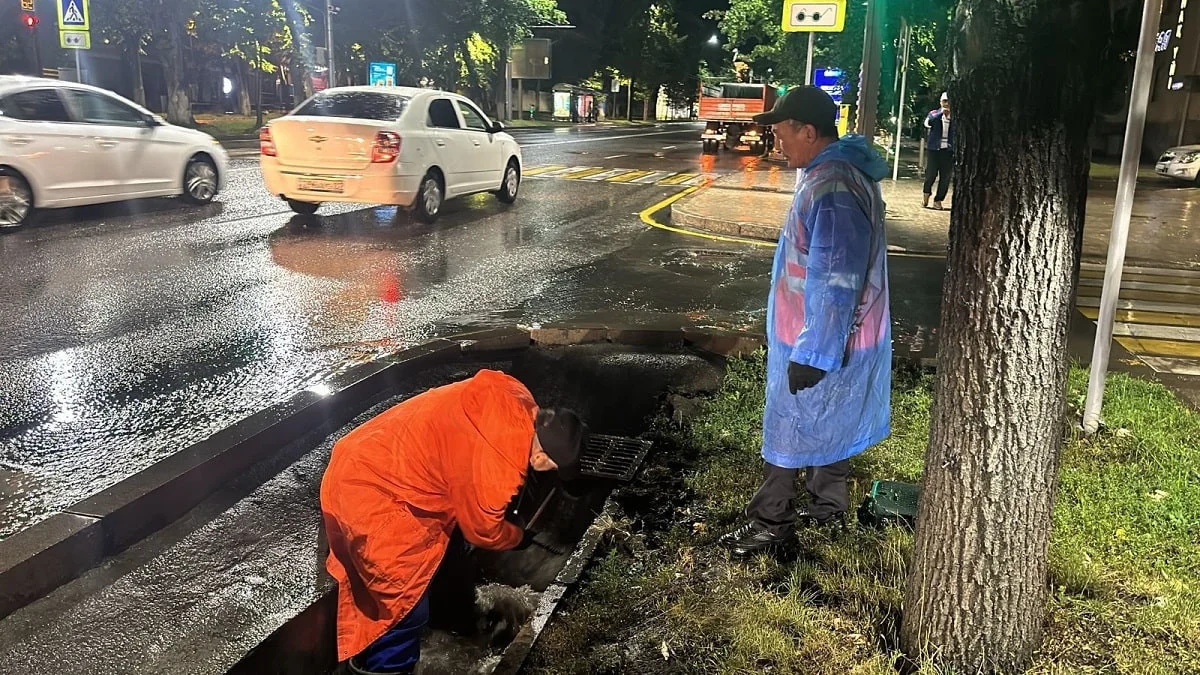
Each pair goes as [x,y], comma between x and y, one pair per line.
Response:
[890,502]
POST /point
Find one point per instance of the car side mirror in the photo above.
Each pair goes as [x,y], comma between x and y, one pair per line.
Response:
[150,121]
[497,127]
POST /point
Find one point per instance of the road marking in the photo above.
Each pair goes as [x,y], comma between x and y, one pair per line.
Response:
[615,156]
[605,138]
[583,173]
[647,217]
[1172,365]
[539,170]
[677,179]
[1135,305]
[611,173]
[1143,286]
[669,147]
[559,173]
[1167,271]
[1150,318]
[652,178]
[627,177]
[698,180]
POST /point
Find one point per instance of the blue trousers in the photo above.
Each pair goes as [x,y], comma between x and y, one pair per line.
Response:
[399,649]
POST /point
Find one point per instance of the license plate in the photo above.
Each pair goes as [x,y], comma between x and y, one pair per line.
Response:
[321,185]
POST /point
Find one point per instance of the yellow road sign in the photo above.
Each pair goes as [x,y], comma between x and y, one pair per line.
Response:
[27,6]
[806,16]
[75,39]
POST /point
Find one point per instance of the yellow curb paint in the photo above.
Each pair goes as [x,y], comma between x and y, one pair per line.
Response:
[1155,347]
[647,217]
[678,178]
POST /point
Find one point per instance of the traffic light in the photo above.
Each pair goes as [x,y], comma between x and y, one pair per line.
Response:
[30,21]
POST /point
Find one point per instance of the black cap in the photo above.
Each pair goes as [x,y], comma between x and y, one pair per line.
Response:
[807,105]
[563,435]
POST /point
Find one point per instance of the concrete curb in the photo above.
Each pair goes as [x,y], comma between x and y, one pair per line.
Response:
[682,216]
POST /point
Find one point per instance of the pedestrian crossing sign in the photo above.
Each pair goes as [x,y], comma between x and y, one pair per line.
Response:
[73,15]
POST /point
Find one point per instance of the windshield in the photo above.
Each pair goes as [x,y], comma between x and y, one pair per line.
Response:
[365,105]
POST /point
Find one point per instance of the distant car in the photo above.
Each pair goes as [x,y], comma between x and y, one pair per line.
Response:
[65,144]
[388,145]
[1181,163]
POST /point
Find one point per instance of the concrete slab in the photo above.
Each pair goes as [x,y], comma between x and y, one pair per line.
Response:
[41,558]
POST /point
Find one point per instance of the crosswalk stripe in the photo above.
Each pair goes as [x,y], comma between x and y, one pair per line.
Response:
[611,173]
[559,173]
[698,180]
[583,172]
[627,177]
[652,178]
[1175,333]
[540,170]
[1137,305]
[1141,286]
[677,179]
[1156,347]
[1165,271]
[1165,364]
[1149,318]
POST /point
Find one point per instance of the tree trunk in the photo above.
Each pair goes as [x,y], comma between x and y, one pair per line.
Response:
[976,592]
[650,104]
[133,52]
[244,105]
[179,107]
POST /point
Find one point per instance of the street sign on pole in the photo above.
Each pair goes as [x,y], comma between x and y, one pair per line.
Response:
[73,15]
[75,39]
[805,16]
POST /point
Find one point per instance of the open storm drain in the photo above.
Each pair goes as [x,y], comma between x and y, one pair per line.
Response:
[614,457]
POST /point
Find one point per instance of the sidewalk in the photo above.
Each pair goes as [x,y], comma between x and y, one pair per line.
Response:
[753,205]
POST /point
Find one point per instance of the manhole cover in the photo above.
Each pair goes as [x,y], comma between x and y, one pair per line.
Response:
[613,456]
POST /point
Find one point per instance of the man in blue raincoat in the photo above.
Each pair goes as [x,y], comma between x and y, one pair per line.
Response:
[829,332]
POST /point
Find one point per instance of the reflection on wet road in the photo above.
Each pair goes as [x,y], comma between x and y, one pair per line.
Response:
[136,330]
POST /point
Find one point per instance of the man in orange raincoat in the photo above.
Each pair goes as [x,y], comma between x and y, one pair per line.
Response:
[398,486]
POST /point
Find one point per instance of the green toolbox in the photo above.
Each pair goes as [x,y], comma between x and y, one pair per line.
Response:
[890,502]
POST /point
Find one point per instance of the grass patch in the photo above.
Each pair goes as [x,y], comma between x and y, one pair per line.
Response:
[230,127]
[664,598]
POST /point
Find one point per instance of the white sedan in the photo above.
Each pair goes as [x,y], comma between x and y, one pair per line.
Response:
[1181,163]
[387,145]
[65,144]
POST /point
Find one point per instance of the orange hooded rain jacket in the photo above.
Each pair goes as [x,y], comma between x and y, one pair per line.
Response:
[397,486]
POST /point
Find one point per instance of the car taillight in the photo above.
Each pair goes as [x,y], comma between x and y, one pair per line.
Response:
[265,145]
[386,148]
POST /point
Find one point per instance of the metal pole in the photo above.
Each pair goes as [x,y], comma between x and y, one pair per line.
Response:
[905,38]
[78,69]
[629,105]
[332,79]
[1126,184]
[507,116]
[808,71]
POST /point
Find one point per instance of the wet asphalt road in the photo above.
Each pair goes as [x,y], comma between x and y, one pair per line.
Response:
[132,331]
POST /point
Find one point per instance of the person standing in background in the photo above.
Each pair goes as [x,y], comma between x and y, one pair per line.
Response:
[940,144]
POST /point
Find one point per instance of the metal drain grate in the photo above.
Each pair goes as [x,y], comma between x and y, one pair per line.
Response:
[613,456]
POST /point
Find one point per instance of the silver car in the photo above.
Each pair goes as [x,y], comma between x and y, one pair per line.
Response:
[1181,163]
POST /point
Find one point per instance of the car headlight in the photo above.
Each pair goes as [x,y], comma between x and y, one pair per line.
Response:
[1189,157]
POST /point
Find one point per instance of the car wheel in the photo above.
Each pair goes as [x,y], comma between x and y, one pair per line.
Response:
[303,208]
[511,185]
[16,199]
[200,181]
[429,199]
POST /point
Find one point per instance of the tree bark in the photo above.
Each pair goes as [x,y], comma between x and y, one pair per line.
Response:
[179,106]
[244,106]
[1023,98]
[133,51]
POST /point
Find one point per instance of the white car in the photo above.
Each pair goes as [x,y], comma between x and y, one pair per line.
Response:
[65,144]
[388,145]
[1181,163]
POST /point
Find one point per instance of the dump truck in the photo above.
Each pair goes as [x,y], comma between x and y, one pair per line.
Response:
[727,110]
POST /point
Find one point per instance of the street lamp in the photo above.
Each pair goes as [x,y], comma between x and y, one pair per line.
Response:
[714,40]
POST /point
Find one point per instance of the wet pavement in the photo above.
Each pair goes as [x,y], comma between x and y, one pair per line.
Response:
[135,330]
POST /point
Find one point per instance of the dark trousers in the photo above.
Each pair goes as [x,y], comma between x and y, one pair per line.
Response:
[939,166]
[773,506]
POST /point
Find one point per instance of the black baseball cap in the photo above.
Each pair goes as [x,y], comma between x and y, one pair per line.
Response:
[807,105]
[563,436]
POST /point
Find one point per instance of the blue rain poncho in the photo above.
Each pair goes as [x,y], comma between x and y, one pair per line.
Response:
[820,314]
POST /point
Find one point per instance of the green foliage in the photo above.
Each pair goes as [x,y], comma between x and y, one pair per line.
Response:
[663,598]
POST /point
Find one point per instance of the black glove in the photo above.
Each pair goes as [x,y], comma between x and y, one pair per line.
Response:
[526,541]
[801,377]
